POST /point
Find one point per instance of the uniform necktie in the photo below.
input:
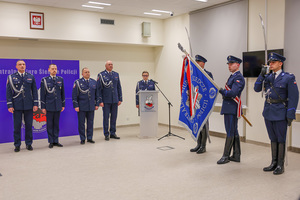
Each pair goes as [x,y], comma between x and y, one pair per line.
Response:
[54,78]
[273,77]
[87,81]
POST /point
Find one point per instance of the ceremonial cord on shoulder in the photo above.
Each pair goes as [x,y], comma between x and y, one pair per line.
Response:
[107,85]
[14,88]
[81,90]
[47,89]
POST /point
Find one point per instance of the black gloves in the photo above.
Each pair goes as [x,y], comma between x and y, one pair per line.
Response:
[289,121]
[264,71]
[221,91]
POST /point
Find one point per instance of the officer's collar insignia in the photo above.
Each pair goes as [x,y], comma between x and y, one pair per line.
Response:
[271,54]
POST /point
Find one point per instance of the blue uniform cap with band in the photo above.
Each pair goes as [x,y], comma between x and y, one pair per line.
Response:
[200,58]
[233,59]
[276,57]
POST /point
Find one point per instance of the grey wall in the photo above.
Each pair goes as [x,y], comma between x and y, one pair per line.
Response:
[292,38]
[217,33]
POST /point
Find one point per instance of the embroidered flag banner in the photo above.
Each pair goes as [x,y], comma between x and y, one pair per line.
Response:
[68,69]
[198,95]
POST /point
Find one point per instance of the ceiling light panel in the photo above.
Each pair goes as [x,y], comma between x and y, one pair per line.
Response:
[88,6]
[98,3]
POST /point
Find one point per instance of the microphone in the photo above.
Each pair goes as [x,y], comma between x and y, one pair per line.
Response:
[153,81]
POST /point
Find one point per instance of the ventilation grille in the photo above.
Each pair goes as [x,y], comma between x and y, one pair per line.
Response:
[107,21]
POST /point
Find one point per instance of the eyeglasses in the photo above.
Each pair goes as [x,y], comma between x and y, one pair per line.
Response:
[145,75]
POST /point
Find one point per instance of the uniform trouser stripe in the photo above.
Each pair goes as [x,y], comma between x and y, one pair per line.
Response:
[231,125]
[53,126]
[87,116]
[28,118]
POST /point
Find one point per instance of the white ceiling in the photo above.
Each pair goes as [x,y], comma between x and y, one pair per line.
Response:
[128,7]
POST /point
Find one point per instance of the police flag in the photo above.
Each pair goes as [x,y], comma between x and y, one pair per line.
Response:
[198,95]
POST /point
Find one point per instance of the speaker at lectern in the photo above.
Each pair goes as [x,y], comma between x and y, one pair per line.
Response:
[148,113]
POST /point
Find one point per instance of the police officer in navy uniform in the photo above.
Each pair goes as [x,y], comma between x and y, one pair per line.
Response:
[234,87]
[110,97]
[85,102]
[202,138]
[282,98]
[22,99]
[52,103]
[144,84]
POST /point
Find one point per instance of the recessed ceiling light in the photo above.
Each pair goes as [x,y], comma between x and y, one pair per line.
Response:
[88,6]
[162,11]
[147,13]
[98,3]
[201,0]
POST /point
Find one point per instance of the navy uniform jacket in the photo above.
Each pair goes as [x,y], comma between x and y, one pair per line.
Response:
[286,86]
[21,94]
[85,95]
[236,83]
[109,87]
[141,85]
[209,74]
[52,93]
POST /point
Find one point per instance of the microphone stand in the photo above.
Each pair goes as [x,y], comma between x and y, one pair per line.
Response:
[169,104]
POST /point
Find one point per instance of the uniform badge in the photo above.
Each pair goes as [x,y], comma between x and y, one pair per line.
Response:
[29,79]
[74,85]
[237,81]
[295,82]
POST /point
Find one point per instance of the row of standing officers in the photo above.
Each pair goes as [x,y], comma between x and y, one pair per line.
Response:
[280,88]
[87,95]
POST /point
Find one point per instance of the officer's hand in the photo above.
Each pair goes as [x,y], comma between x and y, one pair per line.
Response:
[137,106]
[264,70]
[77,109]
[119,103]
[44,111]
[35,108]
[96,107]
[101,104]
[222,91]
[11,110]
[289,121]
[62,109]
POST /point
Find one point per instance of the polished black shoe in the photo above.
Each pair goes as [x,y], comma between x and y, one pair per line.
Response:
[223,160]
[270,168]
[29,147]
[107,138]
[57,144]
[91,141]
[17,149]
[279,170]
[195,149]
[82,142]
[51,145]
[114,136]
[235,158]
[202,149]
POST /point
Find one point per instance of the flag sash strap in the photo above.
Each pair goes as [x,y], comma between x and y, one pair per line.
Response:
[186,62]
[238,101]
